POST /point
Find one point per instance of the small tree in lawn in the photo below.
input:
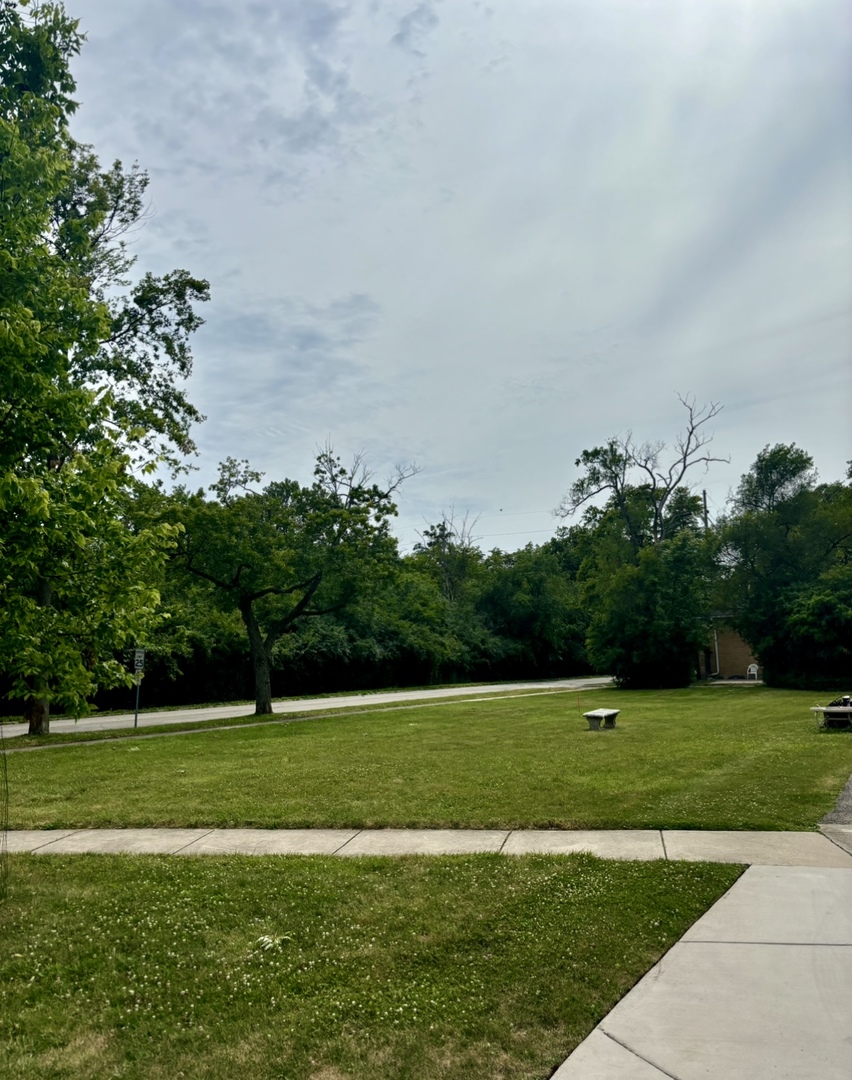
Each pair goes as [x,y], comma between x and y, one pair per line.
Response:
[288,552]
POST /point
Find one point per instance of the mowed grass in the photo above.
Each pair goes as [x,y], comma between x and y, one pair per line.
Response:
[703,758]
[325,969]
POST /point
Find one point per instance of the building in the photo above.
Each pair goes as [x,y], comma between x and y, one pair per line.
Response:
[726,655]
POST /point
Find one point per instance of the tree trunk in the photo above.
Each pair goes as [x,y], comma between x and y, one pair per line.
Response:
[37,714]
[259,659]
[36,707]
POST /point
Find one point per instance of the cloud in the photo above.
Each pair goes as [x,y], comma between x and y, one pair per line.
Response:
[245,87]
[414,26]
[488,266]
[277,380]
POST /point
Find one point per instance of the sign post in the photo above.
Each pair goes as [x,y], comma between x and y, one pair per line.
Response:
[138,668]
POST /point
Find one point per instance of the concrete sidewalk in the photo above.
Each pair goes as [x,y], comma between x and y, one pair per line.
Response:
[309,705]
[758,989]
[753,848]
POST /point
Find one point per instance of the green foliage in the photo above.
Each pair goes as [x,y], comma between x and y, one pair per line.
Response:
[639,485]
[787,550]
[648,618]
[778,473]
[287,553]
[73,581]
[645,567]
[87,388]
[535,608]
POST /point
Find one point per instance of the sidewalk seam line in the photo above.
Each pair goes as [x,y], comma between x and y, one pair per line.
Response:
[832,841]
[624,1046]
[665,850]
[505,840]
[55,840]
[338,850]
[189,843]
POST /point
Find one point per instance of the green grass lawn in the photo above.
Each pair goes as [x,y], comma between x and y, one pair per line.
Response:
[157,968]
[704,758]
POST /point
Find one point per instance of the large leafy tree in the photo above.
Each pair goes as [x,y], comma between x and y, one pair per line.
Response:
[87,391]
[532,603]
[787,558]
[288,552]
[648,565]
[648,615]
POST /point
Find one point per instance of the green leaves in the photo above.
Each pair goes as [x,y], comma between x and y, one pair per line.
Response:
[649,618]
[787,549]
[286,553]
[73,586]
[87,385]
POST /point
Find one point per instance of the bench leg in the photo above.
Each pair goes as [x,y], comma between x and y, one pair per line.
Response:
[609,722]
[594,723]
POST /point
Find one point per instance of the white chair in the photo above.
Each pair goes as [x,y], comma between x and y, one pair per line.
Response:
[751,672]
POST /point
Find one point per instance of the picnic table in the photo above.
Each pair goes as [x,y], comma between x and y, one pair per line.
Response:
[597,715]
[834,716]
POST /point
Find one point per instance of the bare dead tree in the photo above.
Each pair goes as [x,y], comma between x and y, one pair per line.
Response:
[347,482]
[451,546]
[622,466]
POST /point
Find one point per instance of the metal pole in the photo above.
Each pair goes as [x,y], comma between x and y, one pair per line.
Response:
[138,684]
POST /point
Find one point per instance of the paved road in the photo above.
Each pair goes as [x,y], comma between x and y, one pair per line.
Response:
[222,712]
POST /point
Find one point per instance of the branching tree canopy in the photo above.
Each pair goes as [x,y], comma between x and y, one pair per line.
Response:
[88,388]
[648,617]
[647,566]
[288,552]
[637,479]
[449,552]
[778,473]
[787,560]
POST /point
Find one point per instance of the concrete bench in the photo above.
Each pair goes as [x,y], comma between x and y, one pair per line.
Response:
[596,715]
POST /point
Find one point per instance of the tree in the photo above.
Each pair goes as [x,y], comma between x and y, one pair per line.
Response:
[533,606]
[777,475]
[87,391]
[449,550]
[447,555]
[647,492]
[648,618]
[287,553]
[75,581]
[786,552]
[647,566]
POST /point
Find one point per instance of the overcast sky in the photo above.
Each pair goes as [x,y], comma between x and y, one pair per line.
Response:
[486,236]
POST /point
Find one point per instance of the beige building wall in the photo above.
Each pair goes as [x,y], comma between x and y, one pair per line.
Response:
[734,655]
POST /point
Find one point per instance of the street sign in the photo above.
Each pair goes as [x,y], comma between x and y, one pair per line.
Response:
[138,668]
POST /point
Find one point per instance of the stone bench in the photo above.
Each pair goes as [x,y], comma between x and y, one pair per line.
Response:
[597,715]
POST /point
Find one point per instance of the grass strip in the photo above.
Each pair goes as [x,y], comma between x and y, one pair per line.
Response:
[180,727]
[326,969]
[700,758]
[96,714]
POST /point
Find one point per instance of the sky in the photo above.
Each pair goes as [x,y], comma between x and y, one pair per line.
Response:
[483,236]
